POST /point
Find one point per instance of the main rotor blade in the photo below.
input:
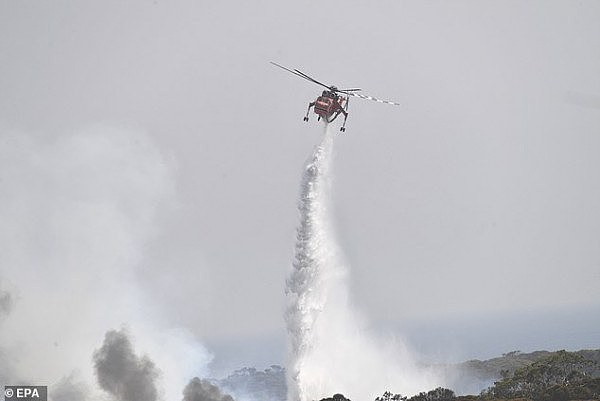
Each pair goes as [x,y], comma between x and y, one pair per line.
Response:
[349,92]
[300,74]
[292,71]
[312,79]
[372,98]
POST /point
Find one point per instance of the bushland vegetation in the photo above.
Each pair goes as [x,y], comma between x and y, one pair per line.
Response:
[554,376]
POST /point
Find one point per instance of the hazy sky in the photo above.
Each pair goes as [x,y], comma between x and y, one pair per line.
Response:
[474,204]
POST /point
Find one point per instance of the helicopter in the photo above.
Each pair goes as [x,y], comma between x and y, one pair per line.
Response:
[333,101]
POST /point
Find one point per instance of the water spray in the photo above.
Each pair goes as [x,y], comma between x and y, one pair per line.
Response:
[330,351]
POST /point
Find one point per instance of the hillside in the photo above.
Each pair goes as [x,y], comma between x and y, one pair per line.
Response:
[470,377]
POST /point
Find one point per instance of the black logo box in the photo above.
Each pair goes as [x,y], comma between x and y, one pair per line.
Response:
[25,393]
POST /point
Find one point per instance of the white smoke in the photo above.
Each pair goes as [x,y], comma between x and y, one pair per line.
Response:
[77,214]
[331,351]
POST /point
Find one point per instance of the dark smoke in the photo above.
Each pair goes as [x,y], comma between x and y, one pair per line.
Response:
[5,308]
[68,389]
[122,373]
[5,303]
[203,390]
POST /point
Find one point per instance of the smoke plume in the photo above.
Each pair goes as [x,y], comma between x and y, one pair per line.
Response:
[121,372]
[69,389]
[5,365]
[203,390]
[78,213]
[330,349]
[5,303]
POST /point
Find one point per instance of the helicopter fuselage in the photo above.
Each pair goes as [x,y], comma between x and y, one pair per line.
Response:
[328,105]
[333,101]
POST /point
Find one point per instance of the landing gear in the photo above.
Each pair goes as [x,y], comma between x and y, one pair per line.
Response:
[345,111]
[335,109]
[343,127]
[308,110]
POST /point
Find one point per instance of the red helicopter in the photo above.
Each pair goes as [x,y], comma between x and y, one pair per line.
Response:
[332,101]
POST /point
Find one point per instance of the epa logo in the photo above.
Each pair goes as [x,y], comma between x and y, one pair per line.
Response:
[25,393]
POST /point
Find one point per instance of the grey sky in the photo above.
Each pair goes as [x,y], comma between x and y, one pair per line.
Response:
[478,196]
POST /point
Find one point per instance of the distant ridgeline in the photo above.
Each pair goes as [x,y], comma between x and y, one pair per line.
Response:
[537,376]
[497,368]
[249,383]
